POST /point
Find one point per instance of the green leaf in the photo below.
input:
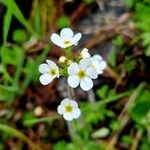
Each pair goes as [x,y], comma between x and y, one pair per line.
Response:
[147,51]
[7,20]
[60,146]
[18,14]
[20,36]
[118,41]
[114,125]
[129,63]
[88,2]
[130,3]
[102,92]
[32,120]
[112,58]
[63,22]
[139,112]
[145,144]
[127,139]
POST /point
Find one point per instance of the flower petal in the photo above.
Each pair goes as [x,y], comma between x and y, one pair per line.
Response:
[76,38]
[55,38]
[68,116]
[51,63]
[86,84]
[100,67]
[97,57]
[92,73]
[60,109]
[103,65]
[85,63]
[76,113]
[45,79]
[85,54]
[66,33]
[74,103]
[73,69]
[73,81]
[43,68]
[65,101]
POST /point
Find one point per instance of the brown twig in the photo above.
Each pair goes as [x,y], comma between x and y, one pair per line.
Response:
[124,117]
[136,140]
[108,31]
[110,72]
[78,13]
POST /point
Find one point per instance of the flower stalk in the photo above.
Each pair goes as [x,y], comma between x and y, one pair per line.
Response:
[79,72]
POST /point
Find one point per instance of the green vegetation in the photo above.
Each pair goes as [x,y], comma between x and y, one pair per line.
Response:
[121,106]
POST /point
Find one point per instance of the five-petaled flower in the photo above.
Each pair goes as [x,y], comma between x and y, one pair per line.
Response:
[82,74]
[49,72]
[66,38]
[69,109]
[98,63]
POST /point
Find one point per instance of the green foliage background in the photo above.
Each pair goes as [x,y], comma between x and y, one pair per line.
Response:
[86,134]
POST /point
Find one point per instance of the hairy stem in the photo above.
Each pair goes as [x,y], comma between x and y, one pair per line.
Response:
[91,96]
[71,128]
[68,52]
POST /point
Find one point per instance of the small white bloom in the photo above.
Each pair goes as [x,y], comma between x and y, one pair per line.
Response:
[66,38]
[49,72]
[62,59]
[69,109]
[84,53]
[98,63]
[82,74]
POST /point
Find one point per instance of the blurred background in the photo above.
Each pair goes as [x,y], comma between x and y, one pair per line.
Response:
[115,114]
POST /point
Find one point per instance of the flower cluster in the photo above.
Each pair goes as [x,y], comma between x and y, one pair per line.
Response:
[79,71]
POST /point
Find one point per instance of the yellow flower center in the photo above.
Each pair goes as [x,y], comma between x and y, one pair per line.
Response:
[68,108]
[81,74]
[67,42]
[94,66]
[52,72]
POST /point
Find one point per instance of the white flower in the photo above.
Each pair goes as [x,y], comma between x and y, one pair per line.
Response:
[66,38]
[98,63]
[62,59]
[84,53]
[69,109]
[82,74]
[49,72]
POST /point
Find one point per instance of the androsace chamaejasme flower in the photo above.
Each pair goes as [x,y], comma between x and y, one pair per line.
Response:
[66,38]
[98,63]
[49,72]
[69,109]
[82,74]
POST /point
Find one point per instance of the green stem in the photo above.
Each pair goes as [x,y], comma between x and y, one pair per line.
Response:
[148,126]
[71,128]
[39,120]
[114,98]
[14,132]
[91,96]
[68,52]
